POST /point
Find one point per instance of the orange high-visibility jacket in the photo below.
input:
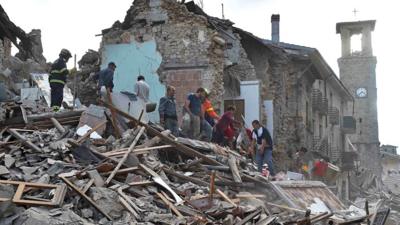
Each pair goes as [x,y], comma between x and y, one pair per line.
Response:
[209,109]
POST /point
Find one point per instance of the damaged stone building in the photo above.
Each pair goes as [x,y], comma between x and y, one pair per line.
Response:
[177,44]
[289,87]
[308,101]
[29,58]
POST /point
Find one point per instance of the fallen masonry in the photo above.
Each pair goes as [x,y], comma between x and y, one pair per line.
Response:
[50,174]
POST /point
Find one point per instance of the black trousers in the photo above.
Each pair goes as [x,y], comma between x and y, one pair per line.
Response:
[57,94]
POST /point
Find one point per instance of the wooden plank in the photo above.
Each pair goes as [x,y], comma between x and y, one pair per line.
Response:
[127,206]
[285,207]
[69,183]
[87,186]
[135,208]
[121,171]
[58,126]
[226,198]
[249,217]
[114,123]
[140,183]
[57,200]
[161,182]
[85,136]
[155,140]
[26,142]
[322,216]
[212,186]
[234,169]
[125,156]
[179,147]
[136,151]
[185,178]
[49,186]
[170,205]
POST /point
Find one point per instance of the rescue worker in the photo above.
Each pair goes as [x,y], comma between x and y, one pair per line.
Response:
[58,78]
[210,115]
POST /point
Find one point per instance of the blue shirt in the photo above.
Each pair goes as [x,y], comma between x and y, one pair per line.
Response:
[195,104]
[106,77]
[167,107]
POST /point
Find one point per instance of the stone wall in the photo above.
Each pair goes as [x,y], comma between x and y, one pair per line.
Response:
[193,53]
[356,72]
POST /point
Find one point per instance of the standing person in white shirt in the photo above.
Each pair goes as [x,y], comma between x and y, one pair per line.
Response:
[142,89]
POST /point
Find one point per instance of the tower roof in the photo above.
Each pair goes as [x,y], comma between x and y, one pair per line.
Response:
[355,26]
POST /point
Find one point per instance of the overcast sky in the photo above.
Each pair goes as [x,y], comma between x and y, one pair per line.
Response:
[73,24]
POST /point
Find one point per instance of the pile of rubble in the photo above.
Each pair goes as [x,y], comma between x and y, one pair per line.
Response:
[75,171]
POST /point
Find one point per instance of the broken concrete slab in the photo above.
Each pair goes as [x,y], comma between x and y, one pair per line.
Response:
[87,213]
[107,200]
[98,180]
[28,170]
[9,161]
[41,215]
[4,170]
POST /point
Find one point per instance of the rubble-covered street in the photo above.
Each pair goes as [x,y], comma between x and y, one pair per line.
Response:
[105,155]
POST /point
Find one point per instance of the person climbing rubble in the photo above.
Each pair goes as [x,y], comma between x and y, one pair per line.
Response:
[106,78]
[194,114]
[224,129]
[263,141]
[167,110]
[58,78]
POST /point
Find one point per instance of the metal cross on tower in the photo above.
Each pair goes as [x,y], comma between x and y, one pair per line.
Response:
[355,11]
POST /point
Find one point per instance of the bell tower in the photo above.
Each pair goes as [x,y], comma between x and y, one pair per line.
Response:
[357,72]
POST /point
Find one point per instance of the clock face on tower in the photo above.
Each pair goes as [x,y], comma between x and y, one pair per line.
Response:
[361,92]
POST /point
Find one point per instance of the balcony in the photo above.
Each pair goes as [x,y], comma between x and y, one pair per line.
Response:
[333,115]
[348,125]
[324,106]
[335,154]
[321,145]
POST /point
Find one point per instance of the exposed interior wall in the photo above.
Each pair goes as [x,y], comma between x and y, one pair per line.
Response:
[134,59]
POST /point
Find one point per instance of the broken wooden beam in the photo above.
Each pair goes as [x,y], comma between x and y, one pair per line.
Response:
[26,142]
[185,178]
[131,206]
[87,186]
[136,151]
[161,182]
[212,187]
[85,136]
[122,171]
[114,122]
[234,169]
[57,125]
[249,217]
[179,147]
[125,156]
[87,198]
[170,205]
[226,198]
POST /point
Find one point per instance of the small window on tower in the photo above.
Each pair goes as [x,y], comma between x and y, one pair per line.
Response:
[356,44]
[360,120]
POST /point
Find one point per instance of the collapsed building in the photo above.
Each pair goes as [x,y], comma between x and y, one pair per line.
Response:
[290,88]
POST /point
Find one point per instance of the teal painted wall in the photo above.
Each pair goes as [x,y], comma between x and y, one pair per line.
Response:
[134,59]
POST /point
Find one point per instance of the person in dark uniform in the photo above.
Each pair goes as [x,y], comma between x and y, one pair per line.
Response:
[57,79]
